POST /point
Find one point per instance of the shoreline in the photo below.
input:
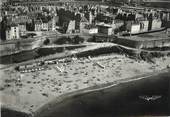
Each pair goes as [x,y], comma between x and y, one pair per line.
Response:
[67,96]
[101,87]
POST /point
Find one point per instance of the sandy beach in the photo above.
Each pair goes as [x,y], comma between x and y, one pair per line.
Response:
[29,91]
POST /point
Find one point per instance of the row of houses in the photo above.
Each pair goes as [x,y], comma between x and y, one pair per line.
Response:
[88,20]
[143,26]
[16,29]
[41,25]
[132,27]
[108,23]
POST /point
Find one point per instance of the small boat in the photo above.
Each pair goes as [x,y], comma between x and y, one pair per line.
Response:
[150,98]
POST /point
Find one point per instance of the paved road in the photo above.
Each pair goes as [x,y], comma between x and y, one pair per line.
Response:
[28,40]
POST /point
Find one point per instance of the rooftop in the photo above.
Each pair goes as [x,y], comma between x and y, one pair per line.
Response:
[104,25]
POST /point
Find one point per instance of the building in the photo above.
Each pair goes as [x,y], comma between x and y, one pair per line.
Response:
[22,29]
[10,13]
[138,16]
[21,22]
[83,22]
[12,32]
[53,22]
[105,29]
[20,19]
[144,24]
[155,24]
[38,25]
[93,30]
[132,27]
[45,26]
[165,16]
[71,26]
[117,24]
[89,17]
[41,26]
[90,29]
[51,25]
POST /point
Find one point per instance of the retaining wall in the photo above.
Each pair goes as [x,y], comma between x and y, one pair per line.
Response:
[144,44]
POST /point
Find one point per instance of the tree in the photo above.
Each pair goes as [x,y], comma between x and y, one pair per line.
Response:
[30,26]
[77,40]
[3,28]
[46,41]
[63,40]
[18,45]
[93,39]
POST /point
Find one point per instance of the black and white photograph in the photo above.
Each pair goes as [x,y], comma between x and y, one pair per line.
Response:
[84,58]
